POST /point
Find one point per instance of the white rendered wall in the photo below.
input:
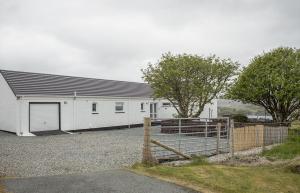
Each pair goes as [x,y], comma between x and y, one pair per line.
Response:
[165,112]
[77,113]
[66,112]
[8,107]
[209,111]
[107,116]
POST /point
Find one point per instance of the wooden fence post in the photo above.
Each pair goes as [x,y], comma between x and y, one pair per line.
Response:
[147,155]
[281,134]
[218,137]
[263,138]
[228,131]
[232,137]
[270,139]
[205,128]
[179,134]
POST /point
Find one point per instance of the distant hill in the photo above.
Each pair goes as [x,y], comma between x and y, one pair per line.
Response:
[230,107]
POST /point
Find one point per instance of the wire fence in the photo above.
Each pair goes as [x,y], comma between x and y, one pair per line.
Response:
[173,139]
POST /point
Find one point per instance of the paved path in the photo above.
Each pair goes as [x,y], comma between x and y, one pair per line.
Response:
[116,181]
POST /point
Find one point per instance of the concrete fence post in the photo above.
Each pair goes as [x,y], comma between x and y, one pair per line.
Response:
[147,155]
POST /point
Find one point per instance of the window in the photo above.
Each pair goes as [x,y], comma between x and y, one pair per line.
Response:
[94,108]
[166,104]
[142,106]
[119,107]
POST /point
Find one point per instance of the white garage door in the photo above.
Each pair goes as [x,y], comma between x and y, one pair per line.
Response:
[44,117]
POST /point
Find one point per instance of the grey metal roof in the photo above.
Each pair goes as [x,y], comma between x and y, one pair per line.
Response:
[28,83]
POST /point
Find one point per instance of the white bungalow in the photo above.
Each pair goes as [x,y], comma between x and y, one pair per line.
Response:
[31,103]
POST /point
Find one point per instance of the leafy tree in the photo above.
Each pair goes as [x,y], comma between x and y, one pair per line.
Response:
[190,81]
[272,80]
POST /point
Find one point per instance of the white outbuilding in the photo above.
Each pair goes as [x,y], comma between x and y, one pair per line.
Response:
[31,103]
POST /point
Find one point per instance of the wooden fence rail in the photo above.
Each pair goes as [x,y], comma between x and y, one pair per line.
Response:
[248,137]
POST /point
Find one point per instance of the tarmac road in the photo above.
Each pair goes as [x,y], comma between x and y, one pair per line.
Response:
[112,181]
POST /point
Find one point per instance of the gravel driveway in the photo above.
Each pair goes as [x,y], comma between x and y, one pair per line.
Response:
[66,154]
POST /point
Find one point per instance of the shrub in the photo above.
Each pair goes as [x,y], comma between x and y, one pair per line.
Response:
[240,118]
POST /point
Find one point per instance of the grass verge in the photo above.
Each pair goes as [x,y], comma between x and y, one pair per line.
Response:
[227,179]
[295,125]
[2,189]
[287,150]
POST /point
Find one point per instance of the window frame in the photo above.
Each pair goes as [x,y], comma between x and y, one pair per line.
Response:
[142,107]
[116,105]
[166,104]
[95,111]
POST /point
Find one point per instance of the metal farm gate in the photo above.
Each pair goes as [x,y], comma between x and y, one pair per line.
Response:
[185,137]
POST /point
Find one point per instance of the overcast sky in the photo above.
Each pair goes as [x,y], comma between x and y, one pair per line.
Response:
[115,39]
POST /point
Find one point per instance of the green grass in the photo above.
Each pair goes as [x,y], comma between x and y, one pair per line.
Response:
[296,125]
[288,150]
[199,160]
[227,179]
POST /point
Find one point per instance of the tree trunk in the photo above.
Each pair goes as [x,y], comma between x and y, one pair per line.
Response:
[279,117]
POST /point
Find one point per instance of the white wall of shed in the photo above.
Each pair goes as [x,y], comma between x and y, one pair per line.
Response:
[8,107]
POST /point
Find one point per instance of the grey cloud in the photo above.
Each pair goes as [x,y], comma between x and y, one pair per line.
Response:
[115,39]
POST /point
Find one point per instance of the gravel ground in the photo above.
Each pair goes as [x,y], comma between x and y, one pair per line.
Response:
[70,153]
[88,151]
[246,153]
[246,157]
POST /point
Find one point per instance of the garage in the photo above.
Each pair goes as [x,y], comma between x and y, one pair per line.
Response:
[44,117]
